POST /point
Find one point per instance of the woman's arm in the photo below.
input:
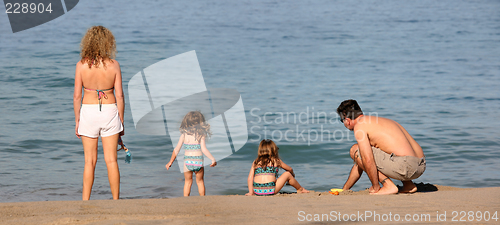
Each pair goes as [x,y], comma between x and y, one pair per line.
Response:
[206,152]
[77,97]
[250,181]
[175,152]
[120,100]
[287,168]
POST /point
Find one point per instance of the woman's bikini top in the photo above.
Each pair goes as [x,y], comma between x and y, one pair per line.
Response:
[270,170]
[100,94]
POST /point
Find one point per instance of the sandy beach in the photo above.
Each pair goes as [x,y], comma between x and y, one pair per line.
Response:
[442,206]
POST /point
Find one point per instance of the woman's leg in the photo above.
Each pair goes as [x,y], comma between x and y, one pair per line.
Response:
[109,145]
[200,182]
[287,176]
[188,181]
[90,152]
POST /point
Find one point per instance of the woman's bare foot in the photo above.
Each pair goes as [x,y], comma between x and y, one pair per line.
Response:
[302,190]
[388,188]
[408,187]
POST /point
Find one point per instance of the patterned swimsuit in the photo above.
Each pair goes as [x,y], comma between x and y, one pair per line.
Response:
[263,189]
[193,163]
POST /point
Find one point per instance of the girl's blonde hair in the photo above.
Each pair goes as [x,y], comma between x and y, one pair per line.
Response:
[267,154]
[194,124]
[97,45]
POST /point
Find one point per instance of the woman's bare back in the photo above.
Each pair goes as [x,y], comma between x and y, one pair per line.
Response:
[99,78]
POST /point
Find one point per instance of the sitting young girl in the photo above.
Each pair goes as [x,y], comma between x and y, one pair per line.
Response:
[263,177]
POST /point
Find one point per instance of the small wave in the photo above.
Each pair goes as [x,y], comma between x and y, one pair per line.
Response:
[412,21]
[60,82]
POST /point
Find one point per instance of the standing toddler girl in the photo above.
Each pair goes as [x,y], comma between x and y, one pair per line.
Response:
[194,130]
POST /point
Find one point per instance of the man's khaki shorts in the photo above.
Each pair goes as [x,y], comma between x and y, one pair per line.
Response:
[402,168]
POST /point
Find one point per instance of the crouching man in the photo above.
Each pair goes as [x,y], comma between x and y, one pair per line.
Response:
[384,150]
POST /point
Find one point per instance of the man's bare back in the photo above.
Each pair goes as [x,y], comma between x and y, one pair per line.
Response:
[389,136]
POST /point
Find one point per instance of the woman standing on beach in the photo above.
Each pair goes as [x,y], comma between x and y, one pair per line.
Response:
[100,111]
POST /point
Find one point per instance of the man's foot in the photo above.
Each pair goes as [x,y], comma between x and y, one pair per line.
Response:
[302,190]
[408,187]
[388,188]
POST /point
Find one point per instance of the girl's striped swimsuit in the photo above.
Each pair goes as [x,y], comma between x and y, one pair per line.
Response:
[265,188]
[193,163]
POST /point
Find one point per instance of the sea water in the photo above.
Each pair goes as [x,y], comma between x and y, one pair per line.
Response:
[433,66]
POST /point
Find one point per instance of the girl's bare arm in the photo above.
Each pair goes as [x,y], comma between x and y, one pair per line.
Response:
[250,181]
[287,168]
[175,152]
[206,152]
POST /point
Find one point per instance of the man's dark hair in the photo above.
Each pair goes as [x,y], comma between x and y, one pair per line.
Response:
[349,109]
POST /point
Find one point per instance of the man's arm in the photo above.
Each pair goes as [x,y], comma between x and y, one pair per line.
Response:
[365,149]
[353,177]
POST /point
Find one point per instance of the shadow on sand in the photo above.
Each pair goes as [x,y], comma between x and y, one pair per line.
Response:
[421,187]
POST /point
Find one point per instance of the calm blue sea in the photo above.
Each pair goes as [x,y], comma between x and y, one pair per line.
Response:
[433,66]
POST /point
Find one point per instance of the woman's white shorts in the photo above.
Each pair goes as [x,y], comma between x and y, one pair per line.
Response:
[94,122]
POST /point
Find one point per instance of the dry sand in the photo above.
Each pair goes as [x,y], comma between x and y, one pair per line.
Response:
[279,209]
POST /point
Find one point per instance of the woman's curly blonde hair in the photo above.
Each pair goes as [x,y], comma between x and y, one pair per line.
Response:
[97,45]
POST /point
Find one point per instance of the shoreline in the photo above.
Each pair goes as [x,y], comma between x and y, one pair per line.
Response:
[281,208]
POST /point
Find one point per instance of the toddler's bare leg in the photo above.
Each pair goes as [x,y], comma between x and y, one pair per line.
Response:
[200,182]
[287,176]
[188,181]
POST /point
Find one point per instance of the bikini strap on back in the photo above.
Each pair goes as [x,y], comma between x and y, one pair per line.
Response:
[100,94]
